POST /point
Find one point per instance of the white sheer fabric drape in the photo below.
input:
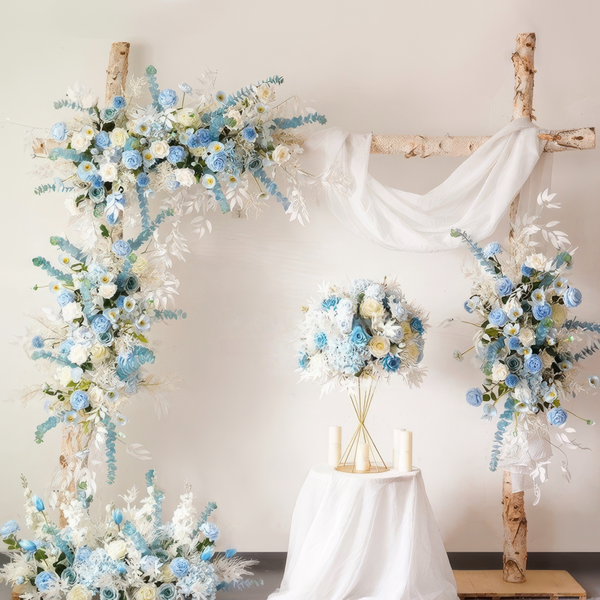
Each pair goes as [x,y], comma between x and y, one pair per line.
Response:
[474,198]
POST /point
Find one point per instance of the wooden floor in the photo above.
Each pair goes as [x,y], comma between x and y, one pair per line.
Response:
[539,584]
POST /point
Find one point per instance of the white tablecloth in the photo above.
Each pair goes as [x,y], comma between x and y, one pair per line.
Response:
[365,537]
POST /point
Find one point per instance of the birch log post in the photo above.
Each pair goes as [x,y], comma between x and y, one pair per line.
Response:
[515,532]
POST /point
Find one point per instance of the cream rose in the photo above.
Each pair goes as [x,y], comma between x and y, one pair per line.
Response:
[413,351]
[146,592]
[559,314]
[98,352]
[281,154]
[160,149]
[536,261]
[379,346]
[499,372]
[79,592]
[139,266]
[236,116]
[547,360]
[185,177]
[107,290]
[265,93]
[166,574]
[527,336]
[371,309]
[117,550]
[78,354]
[188,117]
[72,311]
[109,172]
[118,137]
[79,142]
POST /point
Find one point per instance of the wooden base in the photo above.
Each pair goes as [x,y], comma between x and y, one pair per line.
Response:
[539,584]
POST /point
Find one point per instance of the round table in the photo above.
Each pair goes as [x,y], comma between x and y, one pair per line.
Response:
[365,537]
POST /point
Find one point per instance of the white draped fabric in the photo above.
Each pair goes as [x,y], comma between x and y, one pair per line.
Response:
[365,537]
[474,198]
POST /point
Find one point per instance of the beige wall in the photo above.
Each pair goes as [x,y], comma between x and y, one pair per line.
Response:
[240,428]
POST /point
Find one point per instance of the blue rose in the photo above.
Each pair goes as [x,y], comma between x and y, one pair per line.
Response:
[168,98]
[320,340]
[572,297]
[359,337]
[541,311]
[330,302]
[254,164]
[100,324]
[109,593]
[210,530]
[511,381]
[207,554]
[83,554]
[527,271]
[106,338]
[475,397]
[249,134]
[85,170]
[557,417]
[303,360]
[142,180]
[514,342]
[166,591]
[132,284]
[64,298]
[497,317]
[79,400]
[38,503]
[108,114]
[119,102]
[132,159]
[59,132]
[416,325]
[9,528]
[204,137]
[176,154]
[121,248]
[492,249]
[390,363]
[230,553]
[180,567]
[69,576]
[504,286]
[217,162]
[97,194]
[102,140]
[45,581]
[117,516]
[96,181]
[28,545]
[534,364]
[66,346]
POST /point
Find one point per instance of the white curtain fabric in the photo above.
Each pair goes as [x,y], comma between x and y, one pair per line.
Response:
[474,198]
[365,537]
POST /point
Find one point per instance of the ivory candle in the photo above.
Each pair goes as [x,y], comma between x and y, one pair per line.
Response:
[397,434]
[362,459]
[335,445]
[405,452]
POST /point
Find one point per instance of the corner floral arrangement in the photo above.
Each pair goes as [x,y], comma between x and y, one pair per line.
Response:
[525,342]
[130,554]
[362,330]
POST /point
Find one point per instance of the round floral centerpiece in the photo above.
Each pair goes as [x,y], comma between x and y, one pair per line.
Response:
[358,334]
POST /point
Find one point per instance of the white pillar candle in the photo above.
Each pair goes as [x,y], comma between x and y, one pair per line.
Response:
[405,452]
[335,445]
[397,434]
[362,458]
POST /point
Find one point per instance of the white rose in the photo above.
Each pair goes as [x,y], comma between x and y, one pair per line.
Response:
[499,372]
[98,352]
[78,354]
[107,290]
[379,346]
[109,172]
[536,261]
[118,136]
[117,549]
[64,376]
[146,592]
[185,177]
[281,154]
[236,116]
[188,117]
[527,336]
[265,93]
[79,592]
[79,142]
[72,311]
[89,100]
[160,149]
[371,309]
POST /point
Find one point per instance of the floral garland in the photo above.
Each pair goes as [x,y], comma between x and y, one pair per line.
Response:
[366,329]
[131,554]
[525,343]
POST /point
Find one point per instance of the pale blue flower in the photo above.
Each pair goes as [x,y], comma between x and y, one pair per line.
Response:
[9,528]
[557,416]
[504,286]
[492,249]
[37,341]
[129,304]
[541,311]
[69,576]
[100,324]
[185,88]
[514,342]
[176,154]
[359,337]
[489,411]
[208,553]
[230,553]
[117,516]
[210,530]
[142,323]
[132,159]
[28,546]
[514,313]
[303,360]
[475,397]
[180,567]
[512,380]
[329,303]
[538,296]
[45,581]
[112,395]
[121,248]
[217,162]
[79,400]
[525,270]
[249,134]
[220,96]
[85,170]
[143,180]
[168,98]
[71,417]
[320,340]
[115,203]
[119,102]
[59,132]
[534,364]
[497,317]
[150,563]
[109,593]
[572,297]
[102,140]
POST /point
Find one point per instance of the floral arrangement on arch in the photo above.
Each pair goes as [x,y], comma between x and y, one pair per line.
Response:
[364,329]
[526,342]
[130,554]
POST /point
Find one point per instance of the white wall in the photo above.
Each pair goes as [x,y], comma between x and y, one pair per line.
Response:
[241,429]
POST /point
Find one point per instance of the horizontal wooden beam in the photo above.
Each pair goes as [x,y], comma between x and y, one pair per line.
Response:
[559,140]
